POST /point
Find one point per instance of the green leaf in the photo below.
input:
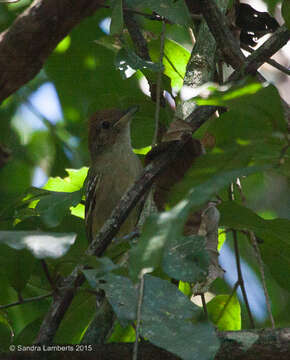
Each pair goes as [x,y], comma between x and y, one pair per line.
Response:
[186,259]
[175,60]
[76,319]
[117,21]
[185,288]
[271,4]
[167,324]
[127,58]
[173,10]
[250,117]
[17,264]
[71,183]
[29,333]
[6,336]
[122,334]
[40,244]
[54,207]
[231,316]
[275,248]
[286,12]
[164,229]
[148,252]
[122,295]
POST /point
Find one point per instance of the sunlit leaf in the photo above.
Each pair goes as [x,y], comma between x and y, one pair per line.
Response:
[228,319]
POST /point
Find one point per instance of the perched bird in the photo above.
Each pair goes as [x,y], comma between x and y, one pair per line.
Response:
[114,168]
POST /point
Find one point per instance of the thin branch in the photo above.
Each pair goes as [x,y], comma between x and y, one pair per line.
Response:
[158,84]
[150,16]
[254,243]
[25,301]
[279,38]
[238,264]
[271,62]
[47,274]
[138,317]
[204,305]
[218,24]
[240,278]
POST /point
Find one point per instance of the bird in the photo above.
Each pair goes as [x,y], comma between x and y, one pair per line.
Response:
[114,168]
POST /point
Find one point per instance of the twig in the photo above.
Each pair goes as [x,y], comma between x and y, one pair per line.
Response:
[151,16]
[204,305]
[158,85]
[254,243]
[271,62]
[238,264]
[279,38]
[139,310]
[240,278]
[24,301]
[47,274]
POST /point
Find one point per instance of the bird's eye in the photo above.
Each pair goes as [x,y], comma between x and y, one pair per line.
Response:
[106,124]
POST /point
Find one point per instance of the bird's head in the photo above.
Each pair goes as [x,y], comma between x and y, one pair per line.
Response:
[109,127]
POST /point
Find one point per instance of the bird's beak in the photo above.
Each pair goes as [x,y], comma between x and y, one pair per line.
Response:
[127,116]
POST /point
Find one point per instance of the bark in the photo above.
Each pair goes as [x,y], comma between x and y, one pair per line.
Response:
[27,43]
[235,345]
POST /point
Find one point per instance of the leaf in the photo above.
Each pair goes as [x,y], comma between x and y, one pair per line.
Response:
[175,60]
[275,248]
[186,259]
[250,117]
[122,334]
[117,21]
[165,229]
[148,252]
[17,264]
[127,58]
[165,323]
[271,4]
[173,10]
[73,182]
[40,244]
[286,12]
[53,207]
[231,317]
[122,295]
[76,319]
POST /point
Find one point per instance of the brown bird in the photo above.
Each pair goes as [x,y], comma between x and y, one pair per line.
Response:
[114,168]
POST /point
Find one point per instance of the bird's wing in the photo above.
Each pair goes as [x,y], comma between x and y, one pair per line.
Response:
[92,184]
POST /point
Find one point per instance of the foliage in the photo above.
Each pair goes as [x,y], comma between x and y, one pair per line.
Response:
[42,227]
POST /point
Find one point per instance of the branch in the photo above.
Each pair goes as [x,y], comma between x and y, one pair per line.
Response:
[271,62]
[200,67]
[262,344]
[25,301]
[218,24]
[27,43]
